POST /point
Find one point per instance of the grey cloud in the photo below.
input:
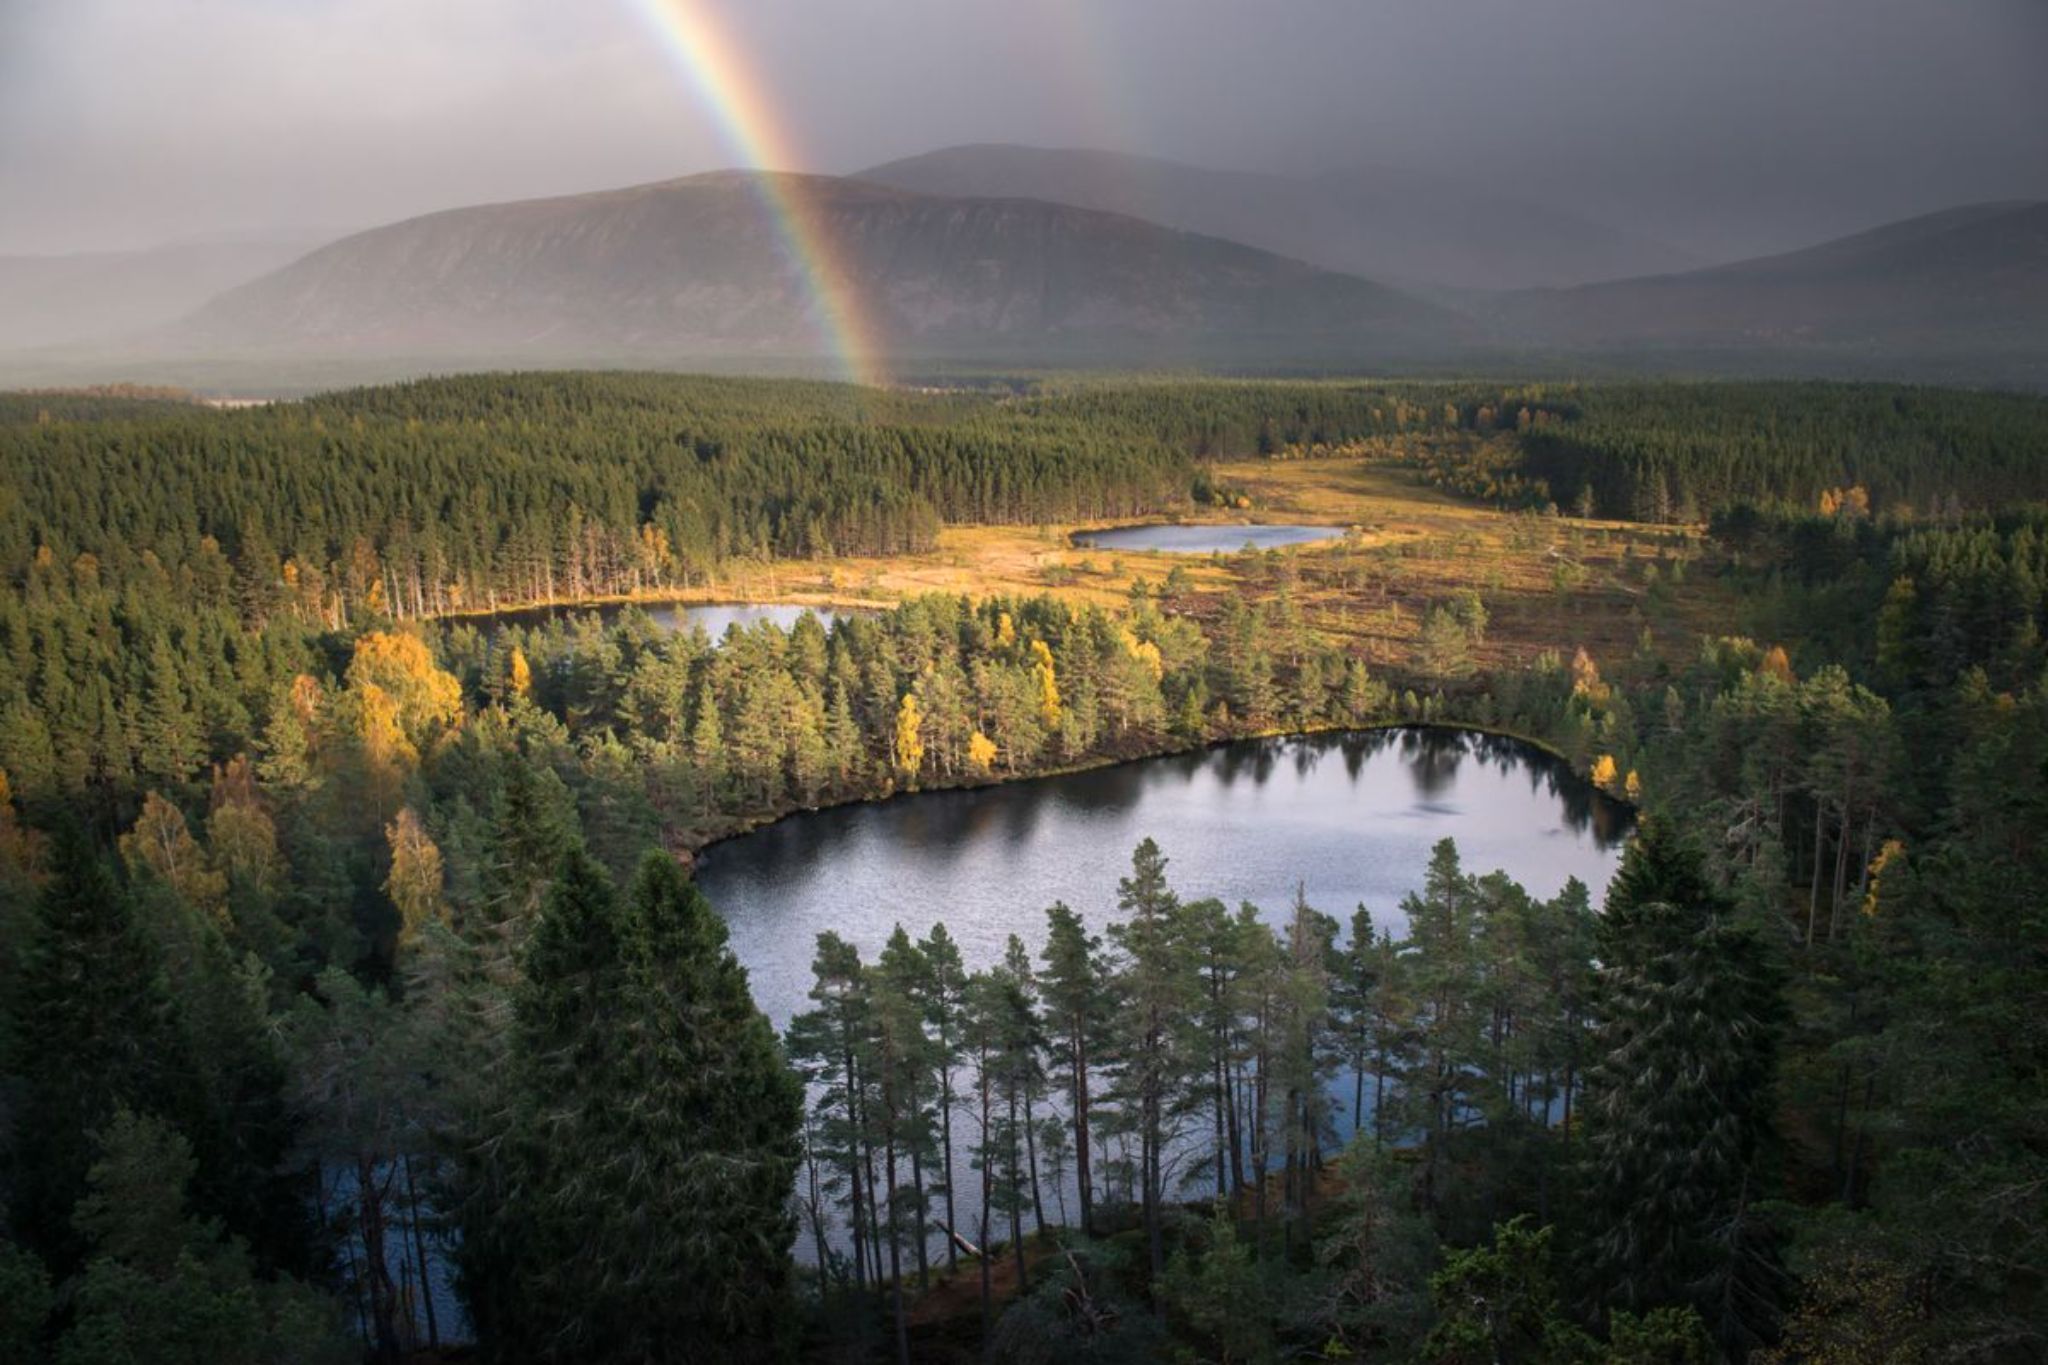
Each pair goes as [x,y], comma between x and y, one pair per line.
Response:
[1727,127]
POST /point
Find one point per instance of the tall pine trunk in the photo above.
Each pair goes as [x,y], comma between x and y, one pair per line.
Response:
[987,1189]
[419,1243]
[946,1140]
[1031,1154]
[896,1246]
[1083,1171]
[1015,1171]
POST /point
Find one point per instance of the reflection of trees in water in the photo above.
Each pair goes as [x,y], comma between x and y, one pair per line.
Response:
[1254,758]
[1113,788]
[945,825]
[1581,805]
[1433,757]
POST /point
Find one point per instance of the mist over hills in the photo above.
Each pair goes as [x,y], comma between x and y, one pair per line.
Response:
[1393,225]
[699,273]
[1972,278]
[698,265]
[57,300]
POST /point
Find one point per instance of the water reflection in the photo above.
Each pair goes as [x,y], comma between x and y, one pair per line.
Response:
[1242,821]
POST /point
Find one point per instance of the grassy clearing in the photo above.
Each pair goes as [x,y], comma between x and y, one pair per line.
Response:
[1547,582]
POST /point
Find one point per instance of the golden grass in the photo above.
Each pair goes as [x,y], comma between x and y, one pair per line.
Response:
[1546,582]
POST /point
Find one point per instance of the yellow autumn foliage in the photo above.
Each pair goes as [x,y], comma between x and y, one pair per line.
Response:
[909,737]
[1146,653]
[1892,851]
[416,875]
[981,751]
[1586,678]
[388,753]
[426,699]
[162,845]
[306,698]
[1043,677]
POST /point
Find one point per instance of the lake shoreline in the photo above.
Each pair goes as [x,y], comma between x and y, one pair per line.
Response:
[693,850]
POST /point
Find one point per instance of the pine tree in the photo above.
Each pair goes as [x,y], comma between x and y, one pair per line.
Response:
[898,1060]
[1302,1061]
[1440,962]
[1352,995]
[1023,1076]
[171,745]
[534,830]
[95,1028]
[1679,1102]
[723,1108]
[831,1046]
[1077,1008]
[648,1141]
[1156,989]
[163,1285]
[1214,938]
[943,989]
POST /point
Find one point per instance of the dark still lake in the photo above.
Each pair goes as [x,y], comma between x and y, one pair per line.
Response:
[1351,817]
[1202,540]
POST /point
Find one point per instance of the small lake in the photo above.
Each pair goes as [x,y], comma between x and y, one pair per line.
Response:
[715,617]
[1351,817]
[1202,540]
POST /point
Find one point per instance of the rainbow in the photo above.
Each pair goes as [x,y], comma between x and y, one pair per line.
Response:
[737,99]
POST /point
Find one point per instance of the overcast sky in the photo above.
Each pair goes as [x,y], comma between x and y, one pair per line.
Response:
[1723,126]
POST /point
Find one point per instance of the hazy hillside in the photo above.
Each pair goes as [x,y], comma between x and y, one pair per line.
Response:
[95,296]
[697,273]
[1387,225]
[1970,281]
[695,266]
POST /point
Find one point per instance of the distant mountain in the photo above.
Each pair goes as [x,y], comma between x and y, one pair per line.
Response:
[1949,287]
[698,272]
[1397,226]
[64,300]
[697,267]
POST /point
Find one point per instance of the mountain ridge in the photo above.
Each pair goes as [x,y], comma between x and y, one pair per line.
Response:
[1402,227]
[696,262]
[1971,275]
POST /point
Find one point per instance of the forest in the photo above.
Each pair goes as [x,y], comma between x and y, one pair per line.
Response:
[356,1002]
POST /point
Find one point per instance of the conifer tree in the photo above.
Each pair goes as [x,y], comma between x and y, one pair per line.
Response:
[1440,961]
[1077,1007]
[163,1285]
[943,992]
[1679,1101]
[831,1047]
[896,1061]
[1215,941]
[648,1141]
[95,1028]
[1352,994]
[1156,990]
